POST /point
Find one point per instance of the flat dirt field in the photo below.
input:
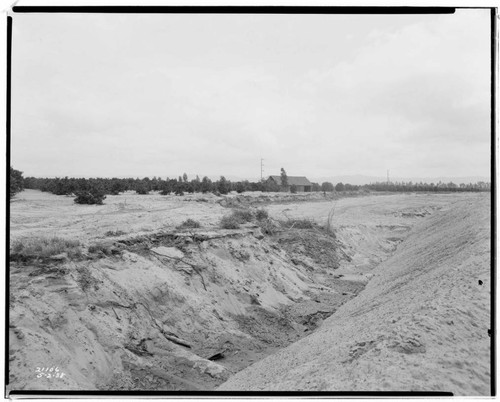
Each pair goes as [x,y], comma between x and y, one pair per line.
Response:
[366,293]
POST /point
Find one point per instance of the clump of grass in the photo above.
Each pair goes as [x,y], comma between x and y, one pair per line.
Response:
[299,224]
[261,214]
[43,248]
[268,226]
[242,215]
[189,224]
[237,217]
[101,248]
[329,221]
[114,233]
[240,255]
[85,279]
[229,222]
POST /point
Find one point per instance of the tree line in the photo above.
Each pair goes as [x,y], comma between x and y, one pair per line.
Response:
[115,186]
[429,187]
[95,190]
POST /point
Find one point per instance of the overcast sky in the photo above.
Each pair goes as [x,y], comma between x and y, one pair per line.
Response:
[320,95]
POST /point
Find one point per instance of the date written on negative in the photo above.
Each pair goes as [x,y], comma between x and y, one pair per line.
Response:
[49,372]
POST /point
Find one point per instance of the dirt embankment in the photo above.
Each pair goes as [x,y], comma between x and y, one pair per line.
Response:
[171,309]
[148,306]
[421,323]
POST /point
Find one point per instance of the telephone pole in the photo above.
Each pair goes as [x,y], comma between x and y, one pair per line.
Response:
[261,169]
[387,176]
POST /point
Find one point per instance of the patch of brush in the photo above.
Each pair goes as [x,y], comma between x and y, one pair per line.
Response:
[319,246]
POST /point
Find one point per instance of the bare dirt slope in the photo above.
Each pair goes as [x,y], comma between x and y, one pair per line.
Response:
[369,228]
[150,306]
[421,323]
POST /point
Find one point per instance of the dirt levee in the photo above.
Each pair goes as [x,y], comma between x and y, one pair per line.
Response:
[421,323]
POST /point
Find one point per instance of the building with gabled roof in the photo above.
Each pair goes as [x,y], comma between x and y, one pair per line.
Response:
[301,183]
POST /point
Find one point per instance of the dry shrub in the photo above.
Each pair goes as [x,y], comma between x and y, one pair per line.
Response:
[242,215]
[299,224]
[85,279]
[43,248]
[269,226]
[237,217]
[102,248]
[114,233]
[189,224]
[261,214]
[229,222]
[241,255]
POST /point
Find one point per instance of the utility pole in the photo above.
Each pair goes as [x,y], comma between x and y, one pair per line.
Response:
[261,169]
[387,176]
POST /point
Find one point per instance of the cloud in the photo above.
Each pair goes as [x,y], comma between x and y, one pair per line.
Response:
[424,86]
[318,95]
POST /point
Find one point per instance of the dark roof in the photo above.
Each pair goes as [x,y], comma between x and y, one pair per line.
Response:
[297,180]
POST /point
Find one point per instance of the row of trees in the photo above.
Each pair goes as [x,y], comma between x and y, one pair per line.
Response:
[94,190]
[100,187]
[181,185]
[429,187]
[114,186]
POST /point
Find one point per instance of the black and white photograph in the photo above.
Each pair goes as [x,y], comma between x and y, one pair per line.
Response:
[250,201]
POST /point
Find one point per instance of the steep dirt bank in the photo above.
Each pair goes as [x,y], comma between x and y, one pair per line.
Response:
[421,323]
[162,311]
[369,228]
[171,309]
[176,309]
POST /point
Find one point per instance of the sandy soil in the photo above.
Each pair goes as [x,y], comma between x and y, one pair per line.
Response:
[108,321]
[421,323]
[369,228]
[188,309]
[35,213]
